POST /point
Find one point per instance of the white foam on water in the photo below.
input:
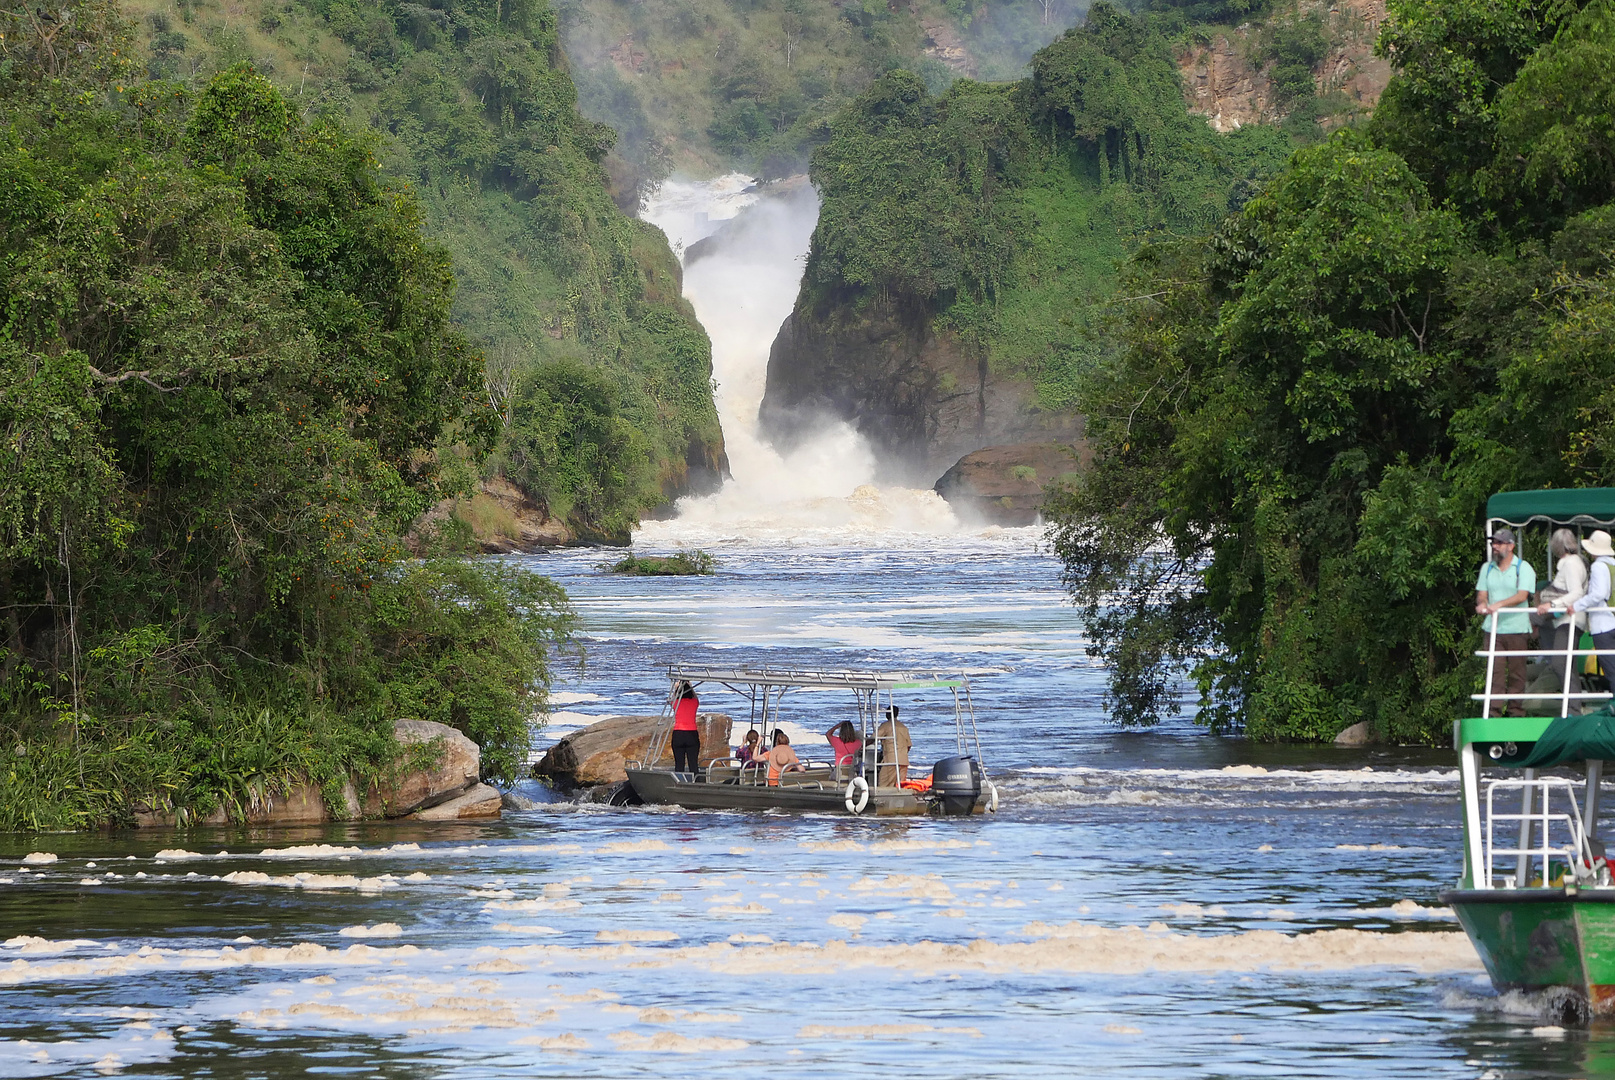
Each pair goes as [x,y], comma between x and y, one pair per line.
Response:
[573,697]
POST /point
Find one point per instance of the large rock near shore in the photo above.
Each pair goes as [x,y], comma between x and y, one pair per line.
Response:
[597,754]
[1003,485]
[448,789]
[458,769]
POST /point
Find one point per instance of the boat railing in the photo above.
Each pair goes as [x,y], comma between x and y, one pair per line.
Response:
[1569,692]
[1539,825]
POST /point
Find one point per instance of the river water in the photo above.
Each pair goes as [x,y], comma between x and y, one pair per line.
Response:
[1160,904]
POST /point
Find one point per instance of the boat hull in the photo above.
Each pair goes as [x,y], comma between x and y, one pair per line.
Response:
[662,787]
[1536,939]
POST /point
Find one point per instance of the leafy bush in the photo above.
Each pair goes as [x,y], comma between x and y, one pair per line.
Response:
[679,564]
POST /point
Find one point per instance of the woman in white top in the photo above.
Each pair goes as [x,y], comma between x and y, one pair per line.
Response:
[1569,585]
[1600,622]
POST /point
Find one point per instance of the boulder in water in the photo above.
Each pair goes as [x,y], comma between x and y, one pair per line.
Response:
[598,753]
[1003,485]
[1357,735]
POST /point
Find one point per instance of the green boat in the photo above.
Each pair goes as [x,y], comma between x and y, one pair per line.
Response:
[1536,896]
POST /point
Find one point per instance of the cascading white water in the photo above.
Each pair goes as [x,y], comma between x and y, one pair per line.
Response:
[742,290]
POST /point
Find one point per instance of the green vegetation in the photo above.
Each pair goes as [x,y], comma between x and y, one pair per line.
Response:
[229,382]
[1311,402]
[1000,212]
[476,117]
[679,564]
[705,85]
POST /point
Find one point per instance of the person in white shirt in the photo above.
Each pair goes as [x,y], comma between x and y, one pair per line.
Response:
[1600,622]
[1569,585]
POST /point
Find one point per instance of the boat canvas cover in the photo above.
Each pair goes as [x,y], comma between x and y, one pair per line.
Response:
[1590,737]
[1563,504]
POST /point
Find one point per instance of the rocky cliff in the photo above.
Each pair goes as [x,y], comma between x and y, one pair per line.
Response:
[1228,79]
[920,396]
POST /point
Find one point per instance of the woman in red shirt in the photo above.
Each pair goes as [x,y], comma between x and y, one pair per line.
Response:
[686,736]
[845,743]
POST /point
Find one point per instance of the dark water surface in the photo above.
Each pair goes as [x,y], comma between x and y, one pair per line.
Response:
[1146,905]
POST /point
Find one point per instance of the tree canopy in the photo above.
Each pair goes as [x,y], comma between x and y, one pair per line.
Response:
[1312,401]
[229,382]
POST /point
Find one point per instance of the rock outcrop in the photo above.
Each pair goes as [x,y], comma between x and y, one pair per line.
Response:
[1222,83]
[1361,734]
[450,788]
[457,770]
[1003,485]
[597,754]
[919,397]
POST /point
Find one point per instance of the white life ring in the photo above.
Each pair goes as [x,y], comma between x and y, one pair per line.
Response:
[856,803]
[992,797]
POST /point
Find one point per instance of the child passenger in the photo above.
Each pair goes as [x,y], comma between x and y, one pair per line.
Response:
[748,749]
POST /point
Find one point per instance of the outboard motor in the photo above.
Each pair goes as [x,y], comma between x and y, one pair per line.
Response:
[956,784]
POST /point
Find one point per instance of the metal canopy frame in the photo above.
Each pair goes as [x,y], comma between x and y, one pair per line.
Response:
[765,688]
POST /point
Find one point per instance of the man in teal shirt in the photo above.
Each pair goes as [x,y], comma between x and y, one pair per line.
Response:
[1502,591]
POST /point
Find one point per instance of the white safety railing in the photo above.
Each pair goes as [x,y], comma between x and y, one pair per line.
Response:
[1569,654]
[1540,825]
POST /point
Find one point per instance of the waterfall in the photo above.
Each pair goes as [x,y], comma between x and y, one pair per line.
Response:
[743,255]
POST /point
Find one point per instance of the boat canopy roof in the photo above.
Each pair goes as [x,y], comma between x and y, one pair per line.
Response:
[814,677]
[1567,505]
[1589,737]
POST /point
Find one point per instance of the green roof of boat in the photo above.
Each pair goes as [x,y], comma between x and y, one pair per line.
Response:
[1555,504]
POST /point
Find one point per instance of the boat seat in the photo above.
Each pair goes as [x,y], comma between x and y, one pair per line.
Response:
[818,777]
[722,773]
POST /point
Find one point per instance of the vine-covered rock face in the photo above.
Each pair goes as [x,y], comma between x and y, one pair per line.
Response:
[960,284]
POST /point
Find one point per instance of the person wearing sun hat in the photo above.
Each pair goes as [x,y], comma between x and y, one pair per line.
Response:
[1600,623]
[1504,586]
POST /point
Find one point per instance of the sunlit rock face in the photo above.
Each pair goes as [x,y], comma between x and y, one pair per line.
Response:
[1005,485]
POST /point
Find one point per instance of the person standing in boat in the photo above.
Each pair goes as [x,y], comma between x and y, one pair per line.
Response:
[1600,623]
[1569,585]
[686,735]
[1502,590]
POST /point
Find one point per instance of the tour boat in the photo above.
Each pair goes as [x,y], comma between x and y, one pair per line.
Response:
[881,779]
[1536,896]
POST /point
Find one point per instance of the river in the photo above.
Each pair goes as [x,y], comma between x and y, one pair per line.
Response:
[1157,904]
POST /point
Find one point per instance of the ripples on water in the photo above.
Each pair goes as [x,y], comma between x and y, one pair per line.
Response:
[1159,904]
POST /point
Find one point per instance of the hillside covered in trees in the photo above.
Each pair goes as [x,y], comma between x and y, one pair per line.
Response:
[965,258]
[234,375]
[708,85]
[1310,402]
[597,365]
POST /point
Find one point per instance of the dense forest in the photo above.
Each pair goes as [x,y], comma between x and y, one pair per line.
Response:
[236,373]
[709,85]
[1309,402]
[597,366]
[998,212]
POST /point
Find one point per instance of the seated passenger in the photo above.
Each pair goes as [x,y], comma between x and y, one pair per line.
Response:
[781,759]
[748,749]
[846,744]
